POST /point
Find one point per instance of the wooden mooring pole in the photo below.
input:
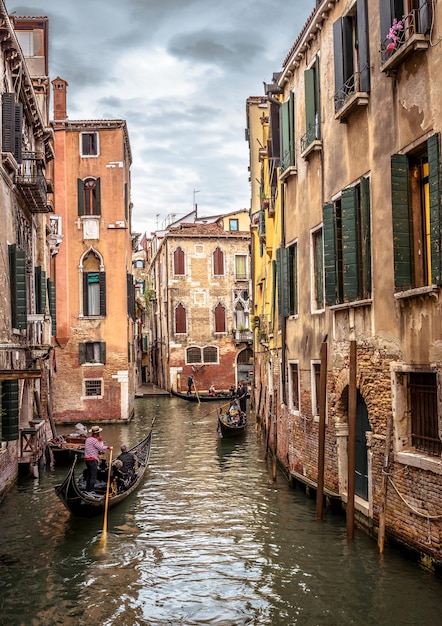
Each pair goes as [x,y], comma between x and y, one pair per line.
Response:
[321,435]
[352,398]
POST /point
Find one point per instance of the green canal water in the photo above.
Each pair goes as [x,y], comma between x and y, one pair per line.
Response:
[208,538]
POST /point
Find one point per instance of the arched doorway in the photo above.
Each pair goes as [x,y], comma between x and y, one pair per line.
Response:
[361,461]
[244,365]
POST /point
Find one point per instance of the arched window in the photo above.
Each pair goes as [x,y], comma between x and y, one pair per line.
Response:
[180,319]
[94,285]
[220,318]
[178,262]
[89,196]
[193,354]
[210,354]
[218,262]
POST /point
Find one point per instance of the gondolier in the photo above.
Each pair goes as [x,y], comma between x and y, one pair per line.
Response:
[93,447]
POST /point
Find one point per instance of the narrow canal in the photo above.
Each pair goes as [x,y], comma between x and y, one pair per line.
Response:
[208,539]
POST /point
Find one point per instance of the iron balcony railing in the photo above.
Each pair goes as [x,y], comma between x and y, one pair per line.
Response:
[401,33]
[31,184]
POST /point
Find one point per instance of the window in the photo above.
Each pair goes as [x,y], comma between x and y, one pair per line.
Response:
[218,262]
[89,201]
[413,16]
[93,387]
[9,414]
[241,304]
[18,295]
[92,352]
[287,125]
[347,245]
[195,354]
[294,386]
[351,54]
[416,216]
[178,262]
[139,264]
[12,116]
[312,107]
[316,394]
[89,144]
[241,267]
[40,290]
[26,41]
[423,409]
[317,271]
[233,224]
[180,319]
[287,263]
[220,318]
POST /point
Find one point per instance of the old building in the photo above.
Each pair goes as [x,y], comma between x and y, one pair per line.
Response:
[95,337]
[200,317]
[360,190]
[26,322]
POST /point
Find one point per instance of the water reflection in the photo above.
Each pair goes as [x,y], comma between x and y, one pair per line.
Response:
[207,539]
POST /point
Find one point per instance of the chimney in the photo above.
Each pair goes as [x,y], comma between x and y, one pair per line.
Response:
[59,87]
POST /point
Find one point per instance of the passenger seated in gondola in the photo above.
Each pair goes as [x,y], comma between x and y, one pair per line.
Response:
[128,462]
[234,413]
[212,390]
[118,480]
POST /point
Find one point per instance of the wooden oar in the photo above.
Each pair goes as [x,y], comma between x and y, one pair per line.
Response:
[106,504]
[218,408]
[196,391]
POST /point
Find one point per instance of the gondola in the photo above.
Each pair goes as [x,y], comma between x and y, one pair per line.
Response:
[202,397]
[232,423]
[89,504]
[62,450]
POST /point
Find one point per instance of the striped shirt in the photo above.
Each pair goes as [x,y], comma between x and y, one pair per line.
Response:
[92,447]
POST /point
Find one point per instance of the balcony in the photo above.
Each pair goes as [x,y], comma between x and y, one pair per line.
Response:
[311,140]
[31,184]
[406,37]
[349,97]
[243,336]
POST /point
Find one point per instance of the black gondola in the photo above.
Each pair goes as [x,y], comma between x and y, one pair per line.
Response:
[88,504]
[202,397]
[232,423]
[64,450]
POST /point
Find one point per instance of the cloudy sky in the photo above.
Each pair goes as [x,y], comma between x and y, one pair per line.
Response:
[179,72]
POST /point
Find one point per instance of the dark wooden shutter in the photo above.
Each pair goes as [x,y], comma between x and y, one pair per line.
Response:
[365,230]
[220,319]
[309,92]
[275,130]
[102,280]
[328,224]
[102,352]
[292,129]
[40,290]
[425,11]
[178,262]
[180,319]
[294,279]
[363,45]
[218,262]
[386,17]
[285,282]
[17,269]
[277,283]
[82,353]
[85,295]
[8,122]
[285,133]
[10,413]
[402,225]
[52,306]
[80,192]
[317,89]
[338,59]
[350,244]
[97,197]
[18,125]
[130,296]
[434,181]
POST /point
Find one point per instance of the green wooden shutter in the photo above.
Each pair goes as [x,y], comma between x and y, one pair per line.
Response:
[365,247]
[434,181]
[350,244]
[10,415]
[17,268]
[275,285]
[40,290]
[80,192]
[82,353]
[309,93]
[102,352]
[18,126]
[402,225]
[102,280]
[330,261]
[317,92]
[294,285]
[8,122]
[52,306]
[292,129]
[338,55]
[97,197]
[285,135]
[284,283]
[363,45]
[126,201]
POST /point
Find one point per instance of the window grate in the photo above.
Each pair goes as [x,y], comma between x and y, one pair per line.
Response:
[424,417]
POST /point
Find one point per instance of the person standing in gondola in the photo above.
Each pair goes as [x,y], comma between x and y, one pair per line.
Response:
[189,385]
[93,446]
[241,394]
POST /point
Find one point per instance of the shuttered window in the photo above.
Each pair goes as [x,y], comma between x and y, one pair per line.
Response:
[89,144]
[89,196]
[92,352]
[180,319]
[220,318]
[17,271]
[312,105]
[94,294]
[416,215]
[52,306]
[351,54]
[40,291]
[130,296]
[12,121]
[9,415]
[218,262]
[287,123]
[178,262]
[317,270]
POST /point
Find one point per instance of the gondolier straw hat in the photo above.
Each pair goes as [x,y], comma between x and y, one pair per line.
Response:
[95,430]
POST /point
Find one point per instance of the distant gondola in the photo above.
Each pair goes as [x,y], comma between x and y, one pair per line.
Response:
[89,504]
[232,423]
[64,449]
[202,397]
